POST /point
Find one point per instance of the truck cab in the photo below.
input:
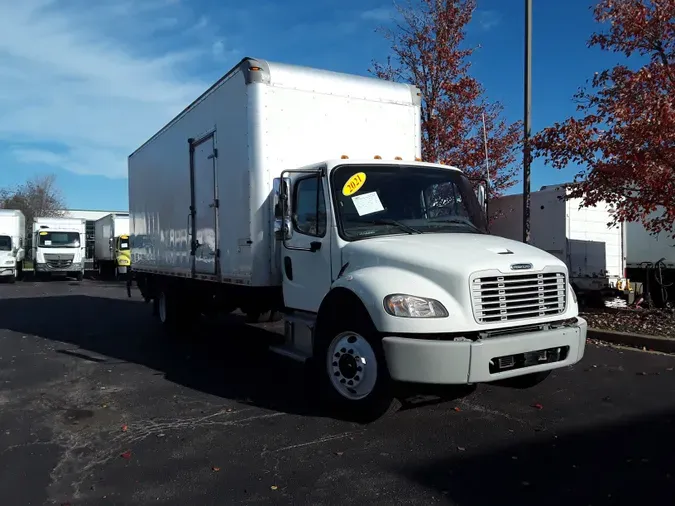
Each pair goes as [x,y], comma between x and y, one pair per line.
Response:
[12,244]
[122,253]
[387,265]
[58,248]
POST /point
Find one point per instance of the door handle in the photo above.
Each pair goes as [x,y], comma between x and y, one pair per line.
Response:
[314,246]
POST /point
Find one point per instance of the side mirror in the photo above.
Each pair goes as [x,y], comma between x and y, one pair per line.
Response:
[482,195]
[282,218]
[481,188]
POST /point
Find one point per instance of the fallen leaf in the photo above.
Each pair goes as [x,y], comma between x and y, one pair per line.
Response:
[124,427]
[215,469]
[669,368]
[537,406]
[525,483]
[456,408]
[339,453]
[126,455]
[274,487]
[461,448]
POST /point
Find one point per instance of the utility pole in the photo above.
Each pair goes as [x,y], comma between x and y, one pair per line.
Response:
[527,122]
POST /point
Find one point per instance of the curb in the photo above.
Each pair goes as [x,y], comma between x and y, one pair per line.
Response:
[654,343]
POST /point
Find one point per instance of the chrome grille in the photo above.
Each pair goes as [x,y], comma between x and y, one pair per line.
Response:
[58,261]
[518,296]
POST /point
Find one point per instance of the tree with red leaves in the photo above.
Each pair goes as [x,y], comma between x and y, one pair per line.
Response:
[624,139]
[428,52]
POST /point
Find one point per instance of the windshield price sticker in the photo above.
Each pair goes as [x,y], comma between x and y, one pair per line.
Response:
[368,203]
[354,184]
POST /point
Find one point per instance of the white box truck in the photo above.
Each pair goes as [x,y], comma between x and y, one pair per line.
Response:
[112,252]
[291,190]
[58,247]
[12,244]
[579,236]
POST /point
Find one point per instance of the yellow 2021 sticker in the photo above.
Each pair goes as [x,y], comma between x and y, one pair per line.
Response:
[354,184]
[44,233]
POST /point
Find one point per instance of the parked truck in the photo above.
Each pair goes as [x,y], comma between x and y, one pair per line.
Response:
[58,247]
[579,236]
[299,192]
[12,244]
[112,252]
[650,262]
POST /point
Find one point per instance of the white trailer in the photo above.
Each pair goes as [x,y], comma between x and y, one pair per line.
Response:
[579,236]
[12,244]
[58,247]
[112,252]
[296,191]
[650,261]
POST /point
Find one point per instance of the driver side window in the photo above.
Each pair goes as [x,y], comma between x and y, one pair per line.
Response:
[309,207]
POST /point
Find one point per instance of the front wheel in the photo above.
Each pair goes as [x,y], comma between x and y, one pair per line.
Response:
[353,375]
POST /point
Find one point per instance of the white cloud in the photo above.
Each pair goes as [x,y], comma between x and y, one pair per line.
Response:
[380,14]
[84,84]
[488,19]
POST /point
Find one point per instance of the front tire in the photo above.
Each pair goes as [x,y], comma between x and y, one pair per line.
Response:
[353,377]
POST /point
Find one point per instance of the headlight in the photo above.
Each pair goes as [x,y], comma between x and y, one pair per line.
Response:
[9,262]
[409,306]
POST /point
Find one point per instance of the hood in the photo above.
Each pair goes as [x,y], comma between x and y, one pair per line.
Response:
[452,253]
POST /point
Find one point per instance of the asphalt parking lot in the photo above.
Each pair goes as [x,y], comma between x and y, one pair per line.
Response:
[98,407]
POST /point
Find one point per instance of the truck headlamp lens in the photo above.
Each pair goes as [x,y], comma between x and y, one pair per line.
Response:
[410,306]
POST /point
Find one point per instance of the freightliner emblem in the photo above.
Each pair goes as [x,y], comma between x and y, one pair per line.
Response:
[520,267]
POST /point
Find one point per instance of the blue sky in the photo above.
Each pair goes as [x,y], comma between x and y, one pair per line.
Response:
[84,83]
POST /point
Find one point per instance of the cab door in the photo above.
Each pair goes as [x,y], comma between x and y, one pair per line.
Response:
[306,245]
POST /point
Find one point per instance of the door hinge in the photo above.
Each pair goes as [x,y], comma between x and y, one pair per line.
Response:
[214,154]
[218,253]
[217,203]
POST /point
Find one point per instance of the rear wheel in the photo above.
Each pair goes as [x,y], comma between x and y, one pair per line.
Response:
[173,313]
[353,374]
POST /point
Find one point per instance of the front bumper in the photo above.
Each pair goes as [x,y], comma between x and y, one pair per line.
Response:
[8,270]
[461,362]
[46,267]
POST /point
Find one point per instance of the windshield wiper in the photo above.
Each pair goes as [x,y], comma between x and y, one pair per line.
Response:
[396,223]
[456,220]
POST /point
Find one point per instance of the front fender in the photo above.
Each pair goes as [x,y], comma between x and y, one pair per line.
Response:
[372,284]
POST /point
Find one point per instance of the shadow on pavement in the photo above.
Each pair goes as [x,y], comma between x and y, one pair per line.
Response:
[628,463]
[223,357]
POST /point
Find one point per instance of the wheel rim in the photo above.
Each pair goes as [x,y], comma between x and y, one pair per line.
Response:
[162,307]
[352,365]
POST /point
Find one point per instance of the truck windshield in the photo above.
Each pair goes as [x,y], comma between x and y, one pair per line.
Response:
[58,239]
[123,243]
[376,200]
[5,243]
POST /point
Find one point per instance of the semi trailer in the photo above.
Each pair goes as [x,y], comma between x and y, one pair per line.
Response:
[12,244]
[58,247]
[112,251]
[298,193]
